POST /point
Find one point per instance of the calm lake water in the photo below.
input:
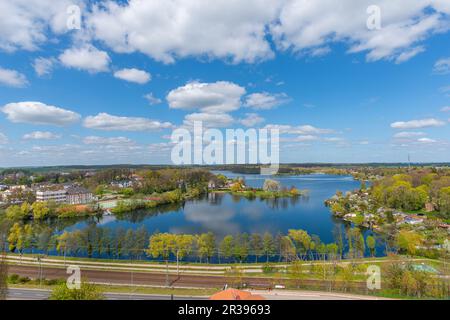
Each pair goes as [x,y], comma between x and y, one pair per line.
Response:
[226,214]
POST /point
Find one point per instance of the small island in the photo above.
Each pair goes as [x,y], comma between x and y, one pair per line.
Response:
[271,189]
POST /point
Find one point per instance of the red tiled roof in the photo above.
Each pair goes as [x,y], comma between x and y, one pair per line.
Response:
[234,294]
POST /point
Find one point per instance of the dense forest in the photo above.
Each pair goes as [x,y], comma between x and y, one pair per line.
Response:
[414,190]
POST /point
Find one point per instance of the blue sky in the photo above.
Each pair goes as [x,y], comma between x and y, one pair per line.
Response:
[338,91]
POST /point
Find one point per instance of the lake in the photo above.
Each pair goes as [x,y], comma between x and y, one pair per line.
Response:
[226,214]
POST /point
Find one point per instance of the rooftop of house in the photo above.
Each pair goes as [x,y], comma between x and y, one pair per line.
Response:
[77,190]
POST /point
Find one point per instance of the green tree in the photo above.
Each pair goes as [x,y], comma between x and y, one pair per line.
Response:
[28,237]
[363,185]
[100,190]
[444,201]
[269,248]
[226,246]
[302,241]
[206,244]
[87,291]
[182,247]
[120,242]
[141,241]
[339,239]
[236,187]
[40,210]
[161,245]
[241,247]
[360,244]
[408,241]
[256,245]
[371,243]
[127,192]
[107,242]
[332,250]
[129,243]
[337,208]
[287,248]
[15,212]
[16,238]
[62,243]
[26,209]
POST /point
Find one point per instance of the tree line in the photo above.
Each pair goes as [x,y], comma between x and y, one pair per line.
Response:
[138,244]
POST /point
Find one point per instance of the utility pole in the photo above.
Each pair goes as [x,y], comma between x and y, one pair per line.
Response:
[132,280]
[178,267]
[40,271]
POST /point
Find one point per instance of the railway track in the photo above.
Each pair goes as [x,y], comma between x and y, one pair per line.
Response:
[159,279]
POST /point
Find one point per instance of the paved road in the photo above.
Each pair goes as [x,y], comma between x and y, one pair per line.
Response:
[311,295]
[36,294]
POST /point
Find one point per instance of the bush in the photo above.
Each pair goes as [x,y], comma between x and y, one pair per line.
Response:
[53,282]
[13,279]
[268,268]
[23,280]
[87,291]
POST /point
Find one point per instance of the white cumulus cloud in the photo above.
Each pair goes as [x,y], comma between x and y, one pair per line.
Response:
[305,138]
[251,120]
[39,113]
[265,100]
[212,120]
[306,25]
[87,58]
[107,122]
[408,134]
[133,75]
[442,66]
[217,97]
[171,30]
[107,140]
[12,78]
[416,124]
[301,130]
[166,30]
[426,140]
[41,135]
[25,24]
[43,66]
[152,100]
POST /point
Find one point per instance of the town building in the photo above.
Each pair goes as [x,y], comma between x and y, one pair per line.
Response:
[78,195]
[429,207]
[58,196]
[69,195]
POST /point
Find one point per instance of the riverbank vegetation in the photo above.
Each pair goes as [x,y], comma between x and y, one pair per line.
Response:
[102,242]
[412,207]
[131,189]
[94,241]
[48,210]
